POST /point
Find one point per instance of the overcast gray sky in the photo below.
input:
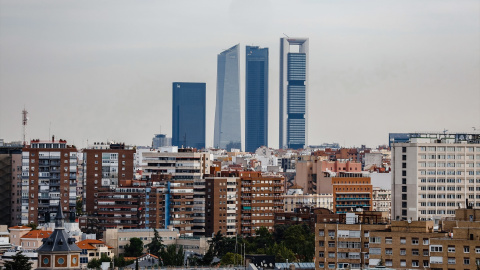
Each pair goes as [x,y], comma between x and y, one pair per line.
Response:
[101,70]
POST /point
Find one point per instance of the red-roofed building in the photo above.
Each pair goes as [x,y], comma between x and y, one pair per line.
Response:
[33,239]
[93,249]
[16,232]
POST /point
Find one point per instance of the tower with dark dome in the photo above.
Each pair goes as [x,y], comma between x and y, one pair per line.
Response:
[59,251]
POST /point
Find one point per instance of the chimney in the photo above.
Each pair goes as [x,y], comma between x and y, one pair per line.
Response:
[53,138]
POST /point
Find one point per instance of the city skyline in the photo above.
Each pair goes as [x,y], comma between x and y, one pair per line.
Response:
[377,67]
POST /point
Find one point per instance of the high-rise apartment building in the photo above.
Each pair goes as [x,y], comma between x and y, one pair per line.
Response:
[49,171]
[433,174]
[105,165]
[227,133]
[188,114]
[256,98]
[10,184]
[293,92]
[351,191]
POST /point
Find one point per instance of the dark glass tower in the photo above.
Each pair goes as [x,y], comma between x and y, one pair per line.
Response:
[293,92]
[227,112]
[188,114]
[256,98]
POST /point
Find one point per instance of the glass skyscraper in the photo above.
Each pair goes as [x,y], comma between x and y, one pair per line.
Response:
[256,98]
[188,114]
[293,92]
[227,113]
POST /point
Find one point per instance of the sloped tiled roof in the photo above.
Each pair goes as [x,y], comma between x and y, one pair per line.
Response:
[87,244]
[59,240]
[37,234]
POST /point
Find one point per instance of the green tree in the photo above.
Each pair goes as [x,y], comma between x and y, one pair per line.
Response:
[301,241]
[231,259]
[281,253]
[381,262]
[19,261]
[156,245]
[121,262]
[208,257]
[172,255]
[134,248]
[97,263]
[79,207]
[32,225]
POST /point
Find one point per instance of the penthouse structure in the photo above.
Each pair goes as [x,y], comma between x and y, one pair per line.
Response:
[433,174]
[49,171]
[293,92]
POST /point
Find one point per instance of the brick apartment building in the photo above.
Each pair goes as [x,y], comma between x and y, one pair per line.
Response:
[105,166]
[48,178]
[242,202]
[350,192]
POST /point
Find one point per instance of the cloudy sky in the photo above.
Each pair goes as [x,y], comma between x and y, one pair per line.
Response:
[103,70]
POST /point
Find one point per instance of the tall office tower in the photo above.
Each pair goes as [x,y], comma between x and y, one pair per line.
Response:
[49,171]
[293,92]
[105,165]
[188,114]
[256,98]
[161,140]
[227,113]
[433,174]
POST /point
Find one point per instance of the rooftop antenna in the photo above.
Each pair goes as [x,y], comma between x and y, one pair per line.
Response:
[445,132]
[286,35]
[24,123]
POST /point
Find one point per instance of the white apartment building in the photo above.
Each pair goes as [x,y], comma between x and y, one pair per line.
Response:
[435,173]
[382,200]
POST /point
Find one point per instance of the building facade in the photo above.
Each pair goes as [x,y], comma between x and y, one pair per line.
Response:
[105,166]
[11,184]
[293,93]
[49,171]
[256,98]
[188,114]
[227,133]
[161,140]
[351,191]
[434,174]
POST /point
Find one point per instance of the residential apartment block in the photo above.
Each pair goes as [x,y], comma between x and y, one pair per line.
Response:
[106,164]
[434,174]
[49,171]
[351,191]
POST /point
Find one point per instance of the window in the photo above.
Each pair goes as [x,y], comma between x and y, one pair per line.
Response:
[451,249]
[466,261]
[403,263]
[388,251]
[451,261]
[403,240]
[331,255]
[414,263]
[321,233]
[321,243]
[425,241]
[403,252]
[436,248]
[321,265]
[331,244]
[331,265]
[321,254]
[415,252]
[375,239]
[466,249]
[388,263]
[331,233]
[414,241]
[425,253]
[477,249]
[388,240]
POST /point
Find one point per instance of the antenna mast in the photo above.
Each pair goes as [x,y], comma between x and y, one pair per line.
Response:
[24,124]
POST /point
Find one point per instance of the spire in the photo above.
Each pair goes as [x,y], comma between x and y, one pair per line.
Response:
[59,218]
